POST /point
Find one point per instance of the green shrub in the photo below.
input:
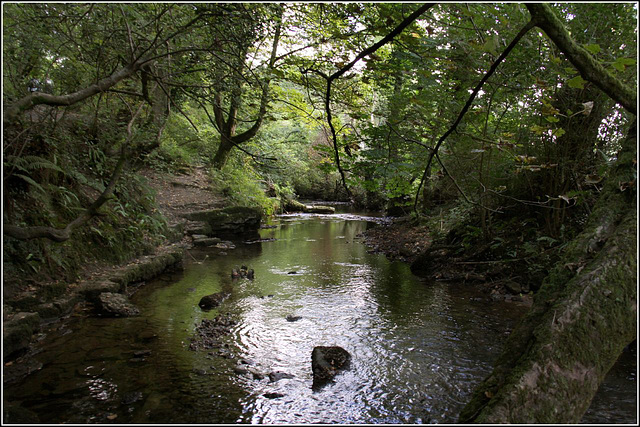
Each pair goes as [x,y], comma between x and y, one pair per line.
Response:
[241,186]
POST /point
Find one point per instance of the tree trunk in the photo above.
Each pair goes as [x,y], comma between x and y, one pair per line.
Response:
[228,137]
[582,318]
[222,154]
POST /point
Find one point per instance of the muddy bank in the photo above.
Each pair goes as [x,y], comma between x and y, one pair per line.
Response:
[403,240]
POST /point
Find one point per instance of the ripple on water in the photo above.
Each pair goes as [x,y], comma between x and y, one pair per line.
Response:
[418,349]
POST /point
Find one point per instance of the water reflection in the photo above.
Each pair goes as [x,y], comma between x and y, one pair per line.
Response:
[417,348]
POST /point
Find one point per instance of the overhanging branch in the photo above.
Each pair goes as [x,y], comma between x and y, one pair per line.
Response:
[590,69]
[371,49]
[466,107]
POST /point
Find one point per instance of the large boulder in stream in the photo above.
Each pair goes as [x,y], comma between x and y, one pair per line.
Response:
[327,362]
[208,302]
[116,305]
[226,221]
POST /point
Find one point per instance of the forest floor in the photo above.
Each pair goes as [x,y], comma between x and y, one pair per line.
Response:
[176,194]
[180,193]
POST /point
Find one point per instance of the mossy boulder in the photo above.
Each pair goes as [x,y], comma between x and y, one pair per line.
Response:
[58,307]
[147,268]
[230,220]
[17,332]
[116,305]
[296,206]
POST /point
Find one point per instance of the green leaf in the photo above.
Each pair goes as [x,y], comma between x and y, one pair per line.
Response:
[559,132]
[552,119]
[593,48]
[537,129]
[621,63]
[577,82]
[618,66]
[492,44]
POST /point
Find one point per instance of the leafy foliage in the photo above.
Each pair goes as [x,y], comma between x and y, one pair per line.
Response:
[538,140]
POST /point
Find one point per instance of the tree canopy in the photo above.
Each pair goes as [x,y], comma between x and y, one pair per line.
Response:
[486,109]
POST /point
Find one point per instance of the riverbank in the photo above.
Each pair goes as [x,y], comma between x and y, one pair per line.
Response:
[28,311]
[144,369]
[339,295]
[403,239]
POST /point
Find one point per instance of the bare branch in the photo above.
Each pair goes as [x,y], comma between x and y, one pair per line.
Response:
[466,107]
[371,49]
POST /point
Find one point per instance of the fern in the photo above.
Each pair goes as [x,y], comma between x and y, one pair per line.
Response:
[32,163]
[83,180]
[31,181]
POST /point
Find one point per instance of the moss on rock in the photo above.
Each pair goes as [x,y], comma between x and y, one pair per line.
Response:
[17,333]
[235,219]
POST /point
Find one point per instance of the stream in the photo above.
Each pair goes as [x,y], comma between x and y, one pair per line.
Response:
[417,348]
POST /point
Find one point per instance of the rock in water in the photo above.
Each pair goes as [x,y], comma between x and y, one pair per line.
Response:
[278,375]
[208,302]
[292,318]
[327,362]
[243,272]
[116,305]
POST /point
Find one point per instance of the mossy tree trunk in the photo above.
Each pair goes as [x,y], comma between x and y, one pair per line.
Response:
[582,318]
[585,312]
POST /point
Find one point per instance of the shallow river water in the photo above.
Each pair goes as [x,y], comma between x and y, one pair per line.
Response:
[417,348]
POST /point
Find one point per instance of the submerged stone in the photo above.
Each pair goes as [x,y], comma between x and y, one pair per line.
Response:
[131,397]
[116,305]
[208,302]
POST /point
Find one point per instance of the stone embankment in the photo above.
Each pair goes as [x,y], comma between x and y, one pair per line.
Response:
[25,316]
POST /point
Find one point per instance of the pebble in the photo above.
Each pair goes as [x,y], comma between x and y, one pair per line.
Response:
[240,370]
[277,376]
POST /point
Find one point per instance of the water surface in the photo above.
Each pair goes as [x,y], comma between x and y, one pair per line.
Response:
[417,348]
